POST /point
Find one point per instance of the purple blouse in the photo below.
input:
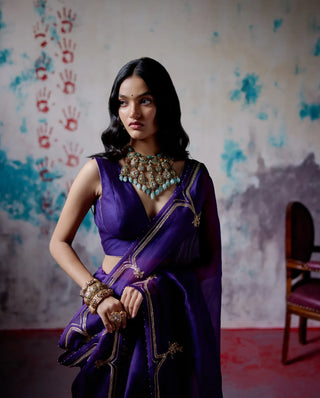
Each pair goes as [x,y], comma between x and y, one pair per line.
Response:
[119,213]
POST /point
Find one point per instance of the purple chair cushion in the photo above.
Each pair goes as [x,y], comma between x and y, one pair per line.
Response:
[306,294]
[313,265]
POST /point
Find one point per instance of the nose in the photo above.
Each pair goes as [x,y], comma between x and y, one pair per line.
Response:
[135,110]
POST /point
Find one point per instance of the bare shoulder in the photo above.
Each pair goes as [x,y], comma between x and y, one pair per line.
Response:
[89,177]
[90,167]
[90,170]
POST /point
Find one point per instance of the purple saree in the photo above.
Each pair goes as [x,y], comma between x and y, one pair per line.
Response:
[172,348]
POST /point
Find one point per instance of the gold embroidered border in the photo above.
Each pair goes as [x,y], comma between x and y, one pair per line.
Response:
[81,328]
[186,202]
[110,362]
[173,348]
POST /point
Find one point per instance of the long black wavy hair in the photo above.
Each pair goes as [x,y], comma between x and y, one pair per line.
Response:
[172,138]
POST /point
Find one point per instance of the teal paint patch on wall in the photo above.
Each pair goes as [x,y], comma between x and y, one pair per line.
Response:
[40,7]
[232,154]
[16,238]
[51,20]
[18,84]
[5,57]
[316,51]
[249,89]
[25,76]
[263,116]
[277,23]
[44,61]
[235,95]
[2,24]
[298,70]
[215,37]
[20,189]
[278,141]
[23,127]
[310,110]
[27,197]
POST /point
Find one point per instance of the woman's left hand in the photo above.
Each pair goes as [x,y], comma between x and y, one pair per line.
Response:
[131,300]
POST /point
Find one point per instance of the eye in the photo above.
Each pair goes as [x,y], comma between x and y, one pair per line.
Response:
[146,101]
[122,103]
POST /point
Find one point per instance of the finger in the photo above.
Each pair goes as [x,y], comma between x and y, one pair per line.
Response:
[108,325]
[129,303]
[108,305]
[125,300]
[136,305]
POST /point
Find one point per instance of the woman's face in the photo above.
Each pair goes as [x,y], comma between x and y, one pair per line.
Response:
[137,109]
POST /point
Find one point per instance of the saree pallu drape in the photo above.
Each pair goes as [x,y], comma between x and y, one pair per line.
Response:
[172,348]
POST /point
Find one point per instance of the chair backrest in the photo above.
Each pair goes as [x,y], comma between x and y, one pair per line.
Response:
[299,232]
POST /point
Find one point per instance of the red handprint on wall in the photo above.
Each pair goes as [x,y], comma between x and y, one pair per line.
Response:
[71,116]
[67,48]
[47,205]
[68,79]
[40,33]
[66,20]
[43,65]
[43,97]
[45,169]
[44,136]
[73,153]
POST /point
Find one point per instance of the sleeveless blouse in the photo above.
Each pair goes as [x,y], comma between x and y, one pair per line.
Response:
[119,213]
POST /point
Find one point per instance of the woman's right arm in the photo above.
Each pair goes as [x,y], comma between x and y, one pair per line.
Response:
[84,190]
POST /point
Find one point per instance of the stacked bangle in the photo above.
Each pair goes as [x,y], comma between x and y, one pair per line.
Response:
[94,292]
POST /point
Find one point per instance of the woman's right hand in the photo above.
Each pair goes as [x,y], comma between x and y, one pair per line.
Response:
[110,308]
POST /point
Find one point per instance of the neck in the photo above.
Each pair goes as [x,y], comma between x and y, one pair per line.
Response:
[145,148]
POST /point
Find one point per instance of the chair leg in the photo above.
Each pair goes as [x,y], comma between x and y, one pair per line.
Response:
[303,330]
[285,345]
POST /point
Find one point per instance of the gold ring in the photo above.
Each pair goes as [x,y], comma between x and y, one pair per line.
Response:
[117,317]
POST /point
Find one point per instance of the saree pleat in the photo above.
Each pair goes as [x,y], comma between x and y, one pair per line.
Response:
[172,348]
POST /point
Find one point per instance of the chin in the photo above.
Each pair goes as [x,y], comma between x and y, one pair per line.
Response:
[139,135]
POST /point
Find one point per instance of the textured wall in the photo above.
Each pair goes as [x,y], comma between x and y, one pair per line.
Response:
[248,77]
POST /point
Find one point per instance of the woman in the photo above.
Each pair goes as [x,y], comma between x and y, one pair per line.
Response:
[150,322]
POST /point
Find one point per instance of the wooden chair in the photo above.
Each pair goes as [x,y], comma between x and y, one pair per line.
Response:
[303,291]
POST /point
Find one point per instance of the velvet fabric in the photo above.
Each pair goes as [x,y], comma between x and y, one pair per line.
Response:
[306,294]
[172,348]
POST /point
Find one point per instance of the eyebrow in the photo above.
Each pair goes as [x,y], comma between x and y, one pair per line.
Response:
[140,95]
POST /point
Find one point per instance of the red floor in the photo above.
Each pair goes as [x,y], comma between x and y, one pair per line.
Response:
[251,366]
